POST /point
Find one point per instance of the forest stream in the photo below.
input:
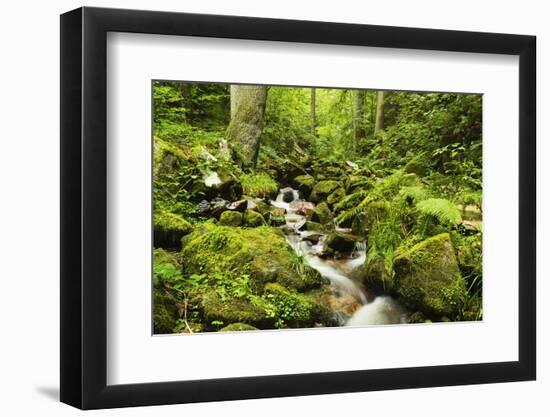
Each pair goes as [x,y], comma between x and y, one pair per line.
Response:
[350,295]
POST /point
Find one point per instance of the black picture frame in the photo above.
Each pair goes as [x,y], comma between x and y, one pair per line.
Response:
[84,207]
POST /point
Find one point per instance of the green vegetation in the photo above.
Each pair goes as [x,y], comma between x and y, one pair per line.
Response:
[397,172]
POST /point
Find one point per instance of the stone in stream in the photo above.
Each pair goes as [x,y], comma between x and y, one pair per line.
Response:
[278,212]
[277,221]
[305,184]
[213,208]
[287,194]
[314,226]
[339,243]
[302,207]
[240,205]
[310,236]
[427,278]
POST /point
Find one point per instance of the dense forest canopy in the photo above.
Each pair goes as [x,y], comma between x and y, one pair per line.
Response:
[395,173]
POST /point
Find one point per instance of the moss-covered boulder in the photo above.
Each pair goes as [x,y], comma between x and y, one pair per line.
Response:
[378,279]
[225,310]
[277,221]
[322,214]
[304,184]
[339,243]
[238,327]
[166,157]
[253,219]
[231,218]
[427,278]
[165,314]
[260,253]
[336,196]
[323,189]
[169,228]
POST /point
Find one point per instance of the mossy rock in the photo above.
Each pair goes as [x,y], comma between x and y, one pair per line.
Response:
[166,157]
[165,315]
[427,278]
[339,243]
[232,310]
[262,253]
[323,189]
[231,218]
[314,227]
[377,278]
[291,309]
[304,184]
[360,225]
[253,219]
[169,228]
[229,187]
[238,327]
[277,221]
[322,214]
[335,197]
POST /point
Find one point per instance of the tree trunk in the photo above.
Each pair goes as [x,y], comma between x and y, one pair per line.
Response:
[312,113]
[233,94]
[358,116]
[245,129]
[379,125]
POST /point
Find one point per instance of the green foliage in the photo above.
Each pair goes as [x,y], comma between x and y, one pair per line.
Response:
[259,185]
[440,208]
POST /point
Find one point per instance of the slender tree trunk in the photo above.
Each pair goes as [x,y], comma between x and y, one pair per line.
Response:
[358,116]
[312,112]
[245,129]
[379,125]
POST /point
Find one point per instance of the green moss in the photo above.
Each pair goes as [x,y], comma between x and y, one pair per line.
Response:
[231,310]
[169,228]
[261,252]
[323,189]
[304,184]
[259,185]
[253,219]
[377,277]
[277,221]
[314,227]
[335,197]
[322,214]
[231,218]
[238,327]
[427,277]
[291,309]
[166,157]
[164,313]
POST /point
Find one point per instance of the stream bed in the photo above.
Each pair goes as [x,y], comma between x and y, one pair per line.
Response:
[350,301]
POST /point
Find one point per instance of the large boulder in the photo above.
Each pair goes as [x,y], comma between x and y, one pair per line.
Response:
[323,189]
[427,278]
[169,228]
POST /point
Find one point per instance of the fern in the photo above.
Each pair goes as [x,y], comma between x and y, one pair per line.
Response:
[440,208]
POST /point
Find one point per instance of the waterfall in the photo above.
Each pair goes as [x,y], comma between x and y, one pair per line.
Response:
[383,310]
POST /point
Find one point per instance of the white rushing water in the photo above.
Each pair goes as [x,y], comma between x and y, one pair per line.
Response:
[382,310]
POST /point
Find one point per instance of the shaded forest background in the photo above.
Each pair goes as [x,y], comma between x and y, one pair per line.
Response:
[400,167]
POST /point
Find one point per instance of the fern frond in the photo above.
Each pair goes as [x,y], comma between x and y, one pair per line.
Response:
[416,193]
[351,200]
[440,208]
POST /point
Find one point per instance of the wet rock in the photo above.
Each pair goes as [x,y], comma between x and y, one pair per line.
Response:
[322,214]
[240,205]
[314,226]
[288,194]
[323,189]
[302,207]
[340,243]
[277,221]
[253,219]
[278,212]
[252,205]
[427,278]
[213,208]
[311,236]
[377,278]
[231,218]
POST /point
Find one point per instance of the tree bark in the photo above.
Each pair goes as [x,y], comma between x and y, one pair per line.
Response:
[233,94]
[312,112]
[379,125]
[245,129]
[358,116]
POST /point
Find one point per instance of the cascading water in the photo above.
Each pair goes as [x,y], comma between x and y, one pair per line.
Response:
[382,310]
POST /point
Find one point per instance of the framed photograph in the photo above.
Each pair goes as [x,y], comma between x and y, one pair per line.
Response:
[258,208]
